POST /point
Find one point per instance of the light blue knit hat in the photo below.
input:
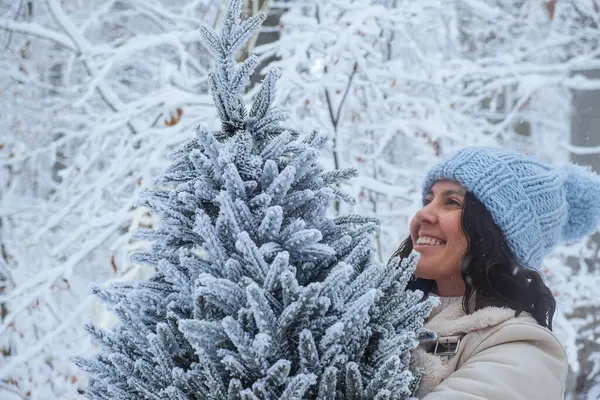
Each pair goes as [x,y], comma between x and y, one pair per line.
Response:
[535,205]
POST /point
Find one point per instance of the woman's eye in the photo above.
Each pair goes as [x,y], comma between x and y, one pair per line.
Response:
[426,201]
[455,202]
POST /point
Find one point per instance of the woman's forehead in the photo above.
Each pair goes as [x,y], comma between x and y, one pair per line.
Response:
[447,185]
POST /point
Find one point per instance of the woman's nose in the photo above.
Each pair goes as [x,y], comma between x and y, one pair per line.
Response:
[427,214]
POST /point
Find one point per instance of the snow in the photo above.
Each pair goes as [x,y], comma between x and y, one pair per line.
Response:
[88,89]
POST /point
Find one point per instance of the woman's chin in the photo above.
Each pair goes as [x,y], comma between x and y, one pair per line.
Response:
[430,267]
[425,273]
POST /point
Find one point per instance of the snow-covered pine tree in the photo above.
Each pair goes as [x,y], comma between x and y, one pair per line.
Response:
[258,294]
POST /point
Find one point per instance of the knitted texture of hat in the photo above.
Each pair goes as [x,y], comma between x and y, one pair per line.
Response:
[535,205]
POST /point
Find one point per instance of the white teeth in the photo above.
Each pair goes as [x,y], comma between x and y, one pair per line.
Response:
[429,241]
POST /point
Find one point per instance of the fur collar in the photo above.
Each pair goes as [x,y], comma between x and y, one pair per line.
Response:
[451,320]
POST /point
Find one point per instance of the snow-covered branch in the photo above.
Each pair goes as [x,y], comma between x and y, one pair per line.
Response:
[39,31]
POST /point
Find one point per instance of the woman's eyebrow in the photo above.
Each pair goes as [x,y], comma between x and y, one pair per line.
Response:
[449,192]
[455,192]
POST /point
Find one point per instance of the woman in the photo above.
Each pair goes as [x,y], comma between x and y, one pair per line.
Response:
[488,219]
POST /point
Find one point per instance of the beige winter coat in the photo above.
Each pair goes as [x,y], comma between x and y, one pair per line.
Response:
[499,357]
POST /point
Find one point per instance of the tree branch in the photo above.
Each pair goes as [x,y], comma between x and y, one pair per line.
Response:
[39,31]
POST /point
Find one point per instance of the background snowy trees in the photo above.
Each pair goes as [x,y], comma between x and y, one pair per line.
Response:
[95,93]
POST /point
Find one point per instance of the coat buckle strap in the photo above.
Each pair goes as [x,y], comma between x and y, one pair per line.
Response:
[447,346]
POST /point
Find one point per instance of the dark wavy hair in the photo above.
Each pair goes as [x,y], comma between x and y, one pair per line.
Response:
[490,270]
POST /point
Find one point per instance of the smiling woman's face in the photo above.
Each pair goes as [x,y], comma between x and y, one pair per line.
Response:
[436,233]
